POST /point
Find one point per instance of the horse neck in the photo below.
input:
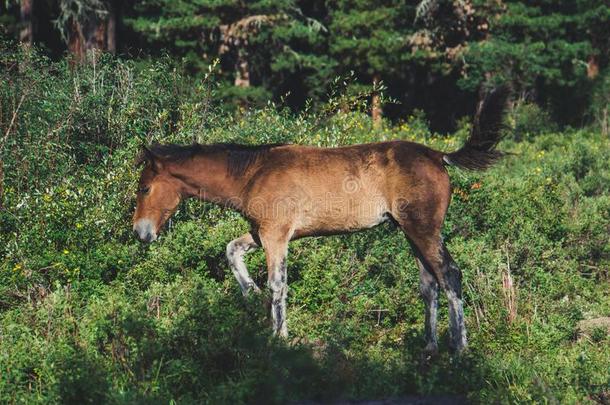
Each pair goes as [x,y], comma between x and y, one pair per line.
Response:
[207,178]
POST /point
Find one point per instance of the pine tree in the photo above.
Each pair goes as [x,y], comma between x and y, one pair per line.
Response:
[547,49]
[370,38]
[26,34]
[256,41]
[88,25]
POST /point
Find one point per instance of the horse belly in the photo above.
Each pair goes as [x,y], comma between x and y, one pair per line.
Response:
[340,214]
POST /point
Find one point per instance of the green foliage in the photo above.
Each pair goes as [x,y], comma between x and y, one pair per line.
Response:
[277,41]
[369,37]
[542,46]
[430,54]
[528,120]
[89,315]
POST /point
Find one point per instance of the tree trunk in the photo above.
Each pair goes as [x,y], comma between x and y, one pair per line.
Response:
[26,33]
[76,42]
[592,67]
[98,33]
[376,111]
[242,69]
[112,27]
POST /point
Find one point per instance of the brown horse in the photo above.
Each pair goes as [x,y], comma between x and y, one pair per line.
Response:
[290,191]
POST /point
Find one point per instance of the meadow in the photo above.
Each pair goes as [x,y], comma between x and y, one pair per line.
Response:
[88,314]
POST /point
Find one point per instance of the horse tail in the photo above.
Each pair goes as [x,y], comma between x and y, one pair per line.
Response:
[478,153]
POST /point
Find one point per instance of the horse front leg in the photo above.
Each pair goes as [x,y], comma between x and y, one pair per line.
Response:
[236,249]
[276,251]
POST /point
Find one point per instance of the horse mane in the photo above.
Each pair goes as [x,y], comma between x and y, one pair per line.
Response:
[240,157]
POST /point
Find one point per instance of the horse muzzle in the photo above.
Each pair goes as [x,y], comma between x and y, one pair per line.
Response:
[145,230]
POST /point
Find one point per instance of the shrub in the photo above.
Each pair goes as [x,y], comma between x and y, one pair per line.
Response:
[528,120]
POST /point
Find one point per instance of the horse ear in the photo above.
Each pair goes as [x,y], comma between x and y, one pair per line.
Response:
[146,156]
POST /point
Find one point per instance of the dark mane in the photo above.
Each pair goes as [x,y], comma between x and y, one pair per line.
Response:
[240,157]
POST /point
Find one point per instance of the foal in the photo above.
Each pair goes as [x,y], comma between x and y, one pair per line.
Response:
[291,191]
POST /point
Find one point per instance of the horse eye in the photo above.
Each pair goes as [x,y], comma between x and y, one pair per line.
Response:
[144,190]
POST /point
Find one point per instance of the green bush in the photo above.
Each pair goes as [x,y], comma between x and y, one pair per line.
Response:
[528,120]
[88,314]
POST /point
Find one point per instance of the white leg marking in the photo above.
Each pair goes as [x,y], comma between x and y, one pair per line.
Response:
[236,249]
[279,289]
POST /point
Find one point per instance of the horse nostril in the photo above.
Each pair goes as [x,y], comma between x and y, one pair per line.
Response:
[145,230]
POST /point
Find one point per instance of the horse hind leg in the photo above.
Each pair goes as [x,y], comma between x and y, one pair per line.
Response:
[428,288]
[236,249]
[440,264]
[437,268]
[453,289]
